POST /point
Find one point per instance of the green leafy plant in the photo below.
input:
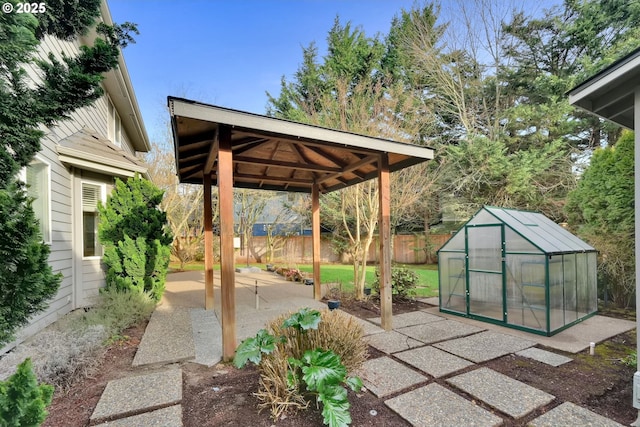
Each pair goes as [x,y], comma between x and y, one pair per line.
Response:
[23,402]
[251,349]
[323,374]
[403,283]
[319,372]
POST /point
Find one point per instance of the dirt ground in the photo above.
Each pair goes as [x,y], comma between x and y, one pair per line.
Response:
[223,395]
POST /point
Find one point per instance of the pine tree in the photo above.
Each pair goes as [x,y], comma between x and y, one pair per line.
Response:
[27,282]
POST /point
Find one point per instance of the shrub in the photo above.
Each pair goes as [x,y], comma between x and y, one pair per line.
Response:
[313,354]
[136,237]
[27,281]
[72,348]
[403,283]
[22,401]
[118,310]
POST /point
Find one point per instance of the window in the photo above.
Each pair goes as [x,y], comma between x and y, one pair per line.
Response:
[37,176]
[91,194]
[115,125]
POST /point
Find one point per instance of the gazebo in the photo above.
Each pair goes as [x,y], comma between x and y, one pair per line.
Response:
[230,148]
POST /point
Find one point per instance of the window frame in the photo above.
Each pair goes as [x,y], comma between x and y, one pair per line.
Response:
[114,124]
[103,199]
[22,175]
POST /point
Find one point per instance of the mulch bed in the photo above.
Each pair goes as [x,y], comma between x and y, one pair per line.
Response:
[223,395]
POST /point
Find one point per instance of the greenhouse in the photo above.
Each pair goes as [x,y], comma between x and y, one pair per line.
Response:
[518,269]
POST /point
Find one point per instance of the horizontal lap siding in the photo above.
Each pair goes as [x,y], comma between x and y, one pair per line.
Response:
[93,279]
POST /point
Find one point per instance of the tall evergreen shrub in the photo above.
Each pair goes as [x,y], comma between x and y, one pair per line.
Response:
[27,282]
[136,237]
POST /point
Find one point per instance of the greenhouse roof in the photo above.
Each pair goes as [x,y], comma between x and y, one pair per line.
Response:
[550,237]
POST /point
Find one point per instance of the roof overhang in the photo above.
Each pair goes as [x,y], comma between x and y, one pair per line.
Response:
[117,83]
[276,154]
[87,150]
[610,93]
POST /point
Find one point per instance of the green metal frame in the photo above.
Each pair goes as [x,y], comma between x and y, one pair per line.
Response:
[504,321]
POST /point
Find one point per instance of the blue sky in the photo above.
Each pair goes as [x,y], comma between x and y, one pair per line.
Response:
[229,53]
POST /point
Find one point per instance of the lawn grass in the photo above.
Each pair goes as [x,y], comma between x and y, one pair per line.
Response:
[343,273]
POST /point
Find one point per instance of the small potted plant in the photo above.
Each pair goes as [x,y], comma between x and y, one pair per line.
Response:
[334,297]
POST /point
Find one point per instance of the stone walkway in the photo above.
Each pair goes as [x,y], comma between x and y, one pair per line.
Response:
[425,351]
[418,374]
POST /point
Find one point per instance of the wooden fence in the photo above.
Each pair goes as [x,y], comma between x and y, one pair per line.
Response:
[407,249]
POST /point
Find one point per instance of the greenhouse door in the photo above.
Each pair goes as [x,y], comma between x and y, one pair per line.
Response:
[485,266]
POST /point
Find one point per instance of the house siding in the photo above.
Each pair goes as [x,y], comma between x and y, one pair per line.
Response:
[81,277]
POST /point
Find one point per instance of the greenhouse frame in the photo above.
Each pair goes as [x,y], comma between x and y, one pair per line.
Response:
[518,269]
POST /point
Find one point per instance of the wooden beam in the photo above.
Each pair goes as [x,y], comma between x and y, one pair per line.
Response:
[384,227]
[350,168]
[274,179]
[208,244]
[227,270]
[212,156]
[315,236]
[286,165]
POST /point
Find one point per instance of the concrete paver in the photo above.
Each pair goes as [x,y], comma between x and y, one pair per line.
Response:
[484,346]
[435,406]
[433,361]
[510,396]
[544,356]
[391,342]
[139,393]
[439,331]
[205,325]
[410,319]
[569,414]
[384,376]
[368,327]
[165,417]
[168,337]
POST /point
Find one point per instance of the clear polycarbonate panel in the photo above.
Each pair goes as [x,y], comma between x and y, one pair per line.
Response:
[526,300]
[556,297]
[516,243]
[593,281]
[455,243]
[484,217]
[587,294]
[453,285]
[485,294]
[484,245]
[543,232]
[582,281]
[570,291]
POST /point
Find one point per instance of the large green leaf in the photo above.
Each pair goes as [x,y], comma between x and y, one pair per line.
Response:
[354,383]
[304,319]
[322,368]
[251,349]
[335,406]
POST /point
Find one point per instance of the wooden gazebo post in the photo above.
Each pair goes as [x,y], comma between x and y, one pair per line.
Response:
[315,235]
[384,227]
[208,244]
[227,268]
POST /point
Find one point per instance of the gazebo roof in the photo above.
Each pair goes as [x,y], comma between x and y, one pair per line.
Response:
[276,154]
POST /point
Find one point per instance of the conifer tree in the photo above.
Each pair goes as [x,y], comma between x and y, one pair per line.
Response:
[27,282]
[136,237]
